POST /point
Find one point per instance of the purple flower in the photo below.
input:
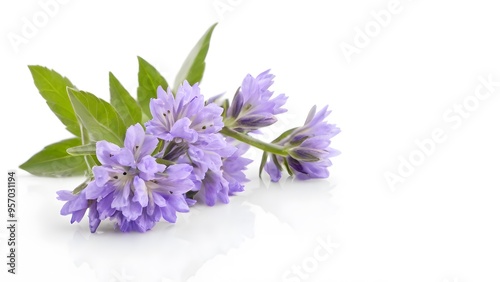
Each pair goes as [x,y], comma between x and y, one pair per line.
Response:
[130,187]
[252,107]
[207,162]
[185,117]
[77,206]
[234,165]
[308,149]
[213,187]
[222,177]
[190,127]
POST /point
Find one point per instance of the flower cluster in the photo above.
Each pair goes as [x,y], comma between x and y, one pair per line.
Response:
[308,149]
[192,151]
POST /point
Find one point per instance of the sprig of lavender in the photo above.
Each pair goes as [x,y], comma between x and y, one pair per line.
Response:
[150,158]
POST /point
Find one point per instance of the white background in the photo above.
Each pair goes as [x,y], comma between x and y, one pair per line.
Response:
[441,224]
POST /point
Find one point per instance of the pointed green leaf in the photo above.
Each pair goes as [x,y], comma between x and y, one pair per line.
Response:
[82,150]
[52,87]
[98,117]
[54,161]
[126,106]
[194,66]
[149,80]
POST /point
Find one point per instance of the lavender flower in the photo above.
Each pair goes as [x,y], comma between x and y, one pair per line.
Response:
[308,149]
[77,206]
[234,165]
[185,117]
[131,187]
[190,129]
[252,107]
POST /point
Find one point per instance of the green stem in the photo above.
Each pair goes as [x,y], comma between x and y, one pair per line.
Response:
[267,147]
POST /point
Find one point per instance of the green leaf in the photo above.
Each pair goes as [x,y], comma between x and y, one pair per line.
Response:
[126,106]
[98,117]
[149,80]
[52,87]
[194,65]
[55,162]
[82,150]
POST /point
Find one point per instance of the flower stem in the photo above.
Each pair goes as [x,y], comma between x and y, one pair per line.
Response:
[267,147]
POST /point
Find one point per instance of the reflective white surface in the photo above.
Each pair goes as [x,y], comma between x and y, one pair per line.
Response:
[268,223]
[273,232]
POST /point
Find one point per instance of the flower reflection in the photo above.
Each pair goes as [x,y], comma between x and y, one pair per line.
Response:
[167,253]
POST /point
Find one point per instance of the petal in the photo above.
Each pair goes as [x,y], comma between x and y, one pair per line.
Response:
[179,171]
[78,215]
[178,202]
[148,146]
[65,195]
[106,151]
[134,137]
[101,175]
[256,121]
[125,157]
[265,79]
[208,119]
[79,203]
[159,200]
[273,171]
[168,213]
[138,142]
[149,167]
[120,197]
[140,192]
[190,202]
[65,209]
[236,105]
[104,207]
[181,129]
[296,165]
[93,191]
[161,94]
[211,186]
[132,211]
[178,186]
[94,220]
